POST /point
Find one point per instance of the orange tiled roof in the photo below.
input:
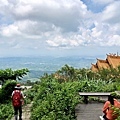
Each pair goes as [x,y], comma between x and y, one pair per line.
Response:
[102,64]
[94,68]
[112,60]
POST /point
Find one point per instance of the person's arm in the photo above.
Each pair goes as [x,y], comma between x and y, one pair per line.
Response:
[106,106]
[22,99]
[117,103]
[12,94]
[22,95]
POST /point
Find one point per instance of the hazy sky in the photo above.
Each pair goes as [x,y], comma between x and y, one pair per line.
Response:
[59,27]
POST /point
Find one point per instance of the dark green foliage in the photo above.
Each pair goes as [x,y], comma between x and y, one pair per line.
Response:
[9,74]
[56,98]
[55,101]
[6,111]
[30,93]
[6,91]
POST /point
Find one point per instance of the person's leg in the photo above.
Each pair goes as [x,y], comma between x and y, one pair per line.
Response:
[105,118]
[20,113]
[16,112]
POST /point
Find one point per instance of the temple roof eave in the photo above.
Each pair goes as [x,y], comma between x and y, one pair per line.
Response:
[111,61]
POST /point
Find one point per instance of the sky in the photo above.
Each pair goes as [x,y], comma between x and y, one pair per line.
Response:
[59,27]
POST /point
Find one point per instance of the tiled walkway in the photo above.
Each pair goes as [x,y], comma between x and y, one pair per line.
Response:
[90,111]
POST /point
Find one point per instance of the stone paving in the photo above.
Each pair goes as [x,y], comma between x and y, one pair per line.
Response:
[26,112]
[90,111]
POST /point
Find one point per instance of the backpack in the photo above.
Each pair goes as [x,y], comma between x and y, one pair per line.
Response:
[16,98]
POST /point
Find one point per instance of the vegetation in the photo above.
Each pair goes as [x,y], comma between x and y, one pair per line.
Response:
[6,111]
[55,96]
[6,91]
[9,74]
[8,78]
[54,101]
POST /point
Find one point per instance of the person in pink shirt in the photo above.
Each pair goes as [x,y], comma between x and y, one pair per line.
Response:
[108,108]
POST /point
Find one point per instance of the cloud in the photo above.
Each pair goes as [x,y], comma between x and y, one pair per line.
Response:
[64,24]
[111,13]
[10,30]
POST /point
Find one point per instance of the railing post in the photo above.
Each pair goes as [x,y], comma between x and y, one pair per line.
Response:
[86,99]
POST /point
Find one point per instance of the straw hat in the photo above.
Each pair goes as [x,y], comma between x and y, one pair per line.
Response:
[18,86]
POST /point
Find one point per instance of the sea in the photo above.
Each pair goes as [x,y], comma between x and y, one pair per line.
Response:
[38,66]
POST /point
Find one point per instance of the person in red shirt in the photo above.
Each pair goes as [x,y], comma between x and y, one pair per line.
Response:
[108,108]
[17,100]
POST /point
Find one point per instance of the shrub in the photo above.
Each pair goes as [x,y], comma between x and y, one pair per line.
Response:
[6,91]
[55,100]
[6,111]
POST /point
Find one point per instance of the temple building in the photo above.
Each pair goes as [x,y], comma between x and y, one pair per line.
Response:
[112,60]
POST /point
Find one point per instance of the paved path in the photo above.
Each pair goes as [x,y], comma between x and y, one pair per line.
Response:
[26,112]
[90,111]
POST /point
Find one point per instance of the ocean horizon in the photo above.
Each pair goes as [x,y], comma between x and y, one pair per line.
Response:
[44,64]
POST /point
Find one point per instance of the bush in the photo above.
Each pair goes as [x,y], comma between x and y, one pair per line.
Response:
[55,101]
[6,111]
[6,91]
